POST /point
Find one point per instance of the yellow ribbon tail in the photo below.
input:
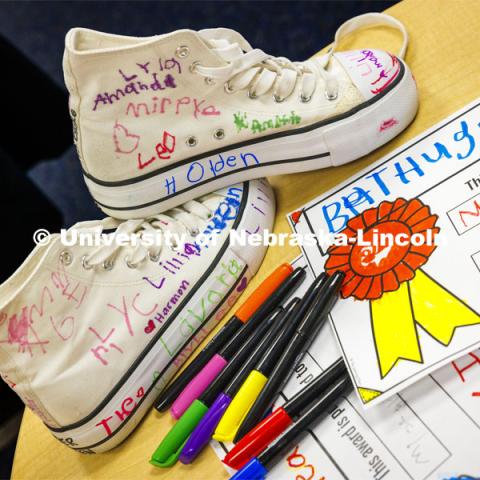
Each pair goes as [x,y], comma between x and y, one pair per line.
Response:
[368,394]
[437,310]
[394,329]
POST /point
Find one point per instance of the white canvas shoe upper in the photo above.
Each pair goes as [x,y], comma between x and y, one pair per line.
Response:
[161,120]
[164,126]
[89,336]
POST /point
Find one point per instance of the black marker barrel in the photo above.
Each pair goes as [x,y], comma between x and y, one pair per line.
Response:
[307,331]
[255,308]
[279,296]
[311,392]
[269,456]
[257,340]
[240,377]
[166,398]
[270,357]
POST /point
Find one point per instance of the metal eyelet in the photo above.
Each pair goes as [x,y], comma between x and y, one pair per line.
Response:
[210,81]
[108,264]
[219,134]
[194,232]
[193,67]
[128,264]
[331,97]
[66,257]
[304,98]
[191,141]
[182,51]
[251,95]
[278,98]
[228,88]
[85,263]
[154,258]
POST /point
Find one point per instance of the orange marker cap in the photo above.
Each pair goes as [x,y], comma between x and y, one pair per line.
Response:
[263,291]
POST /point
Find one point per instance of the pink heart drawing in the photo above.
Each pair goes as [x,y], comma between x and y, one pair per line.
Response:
[150,327]
[242,285]
[125,142]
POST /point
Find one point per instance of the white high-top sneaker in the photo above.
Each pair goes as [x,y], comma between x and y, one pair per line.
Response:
[161,120]
[89,336]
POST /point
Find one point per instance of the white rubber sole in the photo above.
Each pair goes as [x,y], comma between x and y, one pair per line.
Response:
[335,142]
[126,406]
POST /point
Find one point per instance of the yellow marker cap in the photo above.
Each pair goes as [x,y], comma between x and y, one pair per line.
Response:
[240,406]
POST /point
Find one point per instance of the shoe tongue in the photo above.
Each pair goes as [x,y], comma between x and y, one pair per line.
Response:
[225,42]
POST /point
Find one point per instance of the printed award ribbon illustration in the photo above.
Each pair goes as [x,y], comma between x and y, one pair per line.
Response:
[402,296]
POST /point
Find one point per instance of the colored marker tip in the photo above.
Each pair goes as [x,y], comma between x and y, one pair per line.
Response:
[166,462]
[255,441]
[169,450]
[204,430]
[253,470]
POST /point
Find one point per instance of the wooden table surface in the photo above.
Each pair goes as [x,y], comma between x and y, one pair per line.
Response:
[444,55]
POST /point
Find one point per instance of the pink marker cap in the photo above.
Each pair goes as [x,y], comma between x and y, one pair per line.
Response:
[198,385]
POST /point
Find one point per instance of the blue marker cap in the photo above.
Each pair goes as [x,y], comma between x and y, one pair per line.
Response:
[253,470]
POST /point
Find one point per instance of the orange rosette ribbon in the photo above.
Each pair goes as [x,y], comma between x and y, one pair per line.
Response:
[402,296]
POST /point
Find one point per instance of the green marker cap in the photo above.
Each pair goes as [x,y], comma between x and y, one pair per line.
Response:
[167,453]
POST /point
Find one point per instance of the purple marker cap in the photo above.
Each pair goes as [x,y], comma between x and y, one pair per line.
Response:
[198,385]
[203,432]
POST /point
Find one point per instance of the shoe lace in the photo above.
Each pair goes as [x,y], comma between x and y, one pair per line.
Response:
[177,221]
[260,73]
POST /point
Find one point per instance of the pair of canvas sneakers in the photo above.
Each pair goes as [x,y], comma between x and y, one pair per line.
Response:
[173,133]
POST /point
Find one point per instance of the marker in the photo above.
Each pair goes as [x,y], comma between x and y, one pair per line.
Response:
[256,302]
[219,403]
[258,467]
[255,441]
[204,430]
[255,381]
[169,449]
[217,363]
[307,332]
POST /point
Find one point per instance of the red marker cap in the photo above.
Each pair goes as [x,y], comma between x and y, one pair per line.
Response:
[255,441]
[266,289]
[263,434]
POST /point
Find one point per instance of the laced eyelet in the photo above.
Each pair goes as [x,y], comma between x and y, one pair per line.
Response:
[129,264]
[193,67]
[191,141]
[331,97]
[304,98]
[251,95]
[154,258]
[182,51]
[210,81]
[66,257]
[85,263]
[278,98]
[219,134]
[228,88]
[108,265]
